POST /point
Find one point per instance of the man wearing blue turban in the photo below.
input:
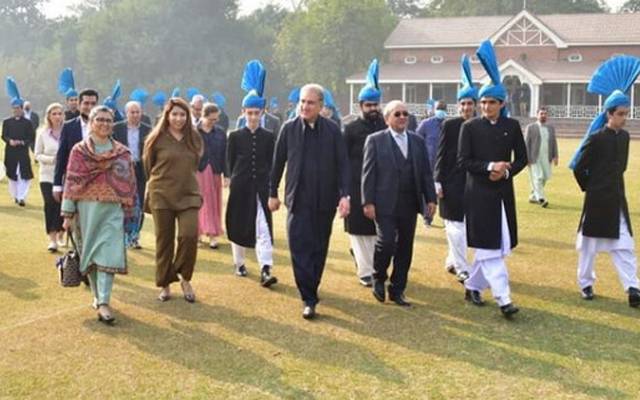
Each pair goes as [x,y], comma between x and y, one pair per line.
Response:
[599,166]
[450,178]
[248,158]
[19,135]
[362,230]
[492,151]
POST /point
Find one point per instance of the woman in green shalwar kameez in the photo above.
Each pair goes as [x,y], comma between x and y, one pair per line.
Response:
[99,191]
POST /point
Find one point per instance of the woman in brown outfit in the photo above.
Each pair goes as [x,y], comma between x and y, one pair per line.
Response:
[171,155]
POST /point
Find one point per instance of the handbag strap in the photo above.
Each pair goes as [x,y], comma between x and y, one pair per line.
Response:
[73,242]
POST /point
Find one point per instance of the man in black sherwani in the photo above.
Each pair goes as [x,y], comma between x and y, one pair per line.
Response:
[317,182]
[19,136]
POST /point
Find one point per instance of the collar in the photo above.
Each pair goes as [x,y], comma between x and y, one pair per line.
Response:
[398,134]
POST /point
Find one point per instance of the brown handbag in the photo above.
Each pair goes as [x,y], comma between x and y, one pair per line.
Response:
[69,266]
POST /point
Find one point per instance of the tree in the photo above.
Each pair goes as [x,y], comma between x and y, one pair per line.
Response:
[21,22]
[631,6]
[452,8]
[332,39]
[407,8]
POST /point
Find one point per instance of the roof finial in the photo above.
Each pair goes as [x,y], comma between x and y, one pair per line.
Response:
[524,4]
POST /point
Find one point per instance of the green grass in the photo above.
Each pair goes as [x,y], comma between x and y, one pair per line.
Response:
[242,341]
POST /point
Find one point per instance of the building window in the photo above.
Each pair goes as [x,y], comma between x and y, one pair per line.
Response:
[575,57]
[411,94]
[437,59]
[410,60]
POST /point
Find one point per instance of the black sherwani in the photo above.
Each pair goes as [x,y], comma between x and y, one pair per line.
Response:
[482,142]
[448,173]
[14,156]
[249,157]
[317,177]
[600,174]
[355,134]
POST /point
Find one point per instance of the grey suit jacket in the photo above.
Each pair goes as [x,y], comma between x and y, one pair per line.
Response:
[532,141]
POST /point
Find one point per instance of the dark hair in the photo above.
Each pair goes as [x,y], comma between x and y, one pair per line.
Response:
[87,92]
[209,108]
[441,105]
[543,108]
[612,110]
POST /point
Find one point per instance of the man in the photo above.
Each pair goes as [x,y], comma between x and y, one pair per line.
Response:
[396,181]
[197,102]
[599,168]
[542,150]
[141,96]
[485,152]
[362,230]
[66,87]
[31,115]
[132,133]
[72,132]
[71,102]
[18,135]
[223,119]
[450,178]
[317,181]
[267,121]
[249,156]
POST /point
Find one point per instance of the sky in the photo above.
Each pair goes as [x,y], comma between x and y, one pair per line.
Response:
[56,8]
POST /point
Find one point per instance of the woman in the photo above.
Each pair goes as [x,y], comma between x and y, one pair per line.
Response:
[99,189]
[210,173]
[171,155]
[46,149]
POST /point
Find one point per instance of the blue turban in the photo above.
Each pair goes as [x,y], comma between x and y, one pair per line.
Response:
[112,101]
[253,80]
[159,98]
[273,103]
[66,83]
[71,93]
[613,79]
[12,91]
[494,88]
[294,95]
[467,90]
[140,95]
[219,99]
[371,90]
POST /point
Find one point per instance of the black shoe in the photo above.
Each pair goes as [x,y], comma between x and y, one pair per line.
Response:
[399,300]
[378,291]
[634,297]
[21,203]
[136,245]
[462,276]
[508,310]
[266,279]
[241,270]
[587,293]
[366,281]
[474,297]
[309,312]
[451,269]
[544,203]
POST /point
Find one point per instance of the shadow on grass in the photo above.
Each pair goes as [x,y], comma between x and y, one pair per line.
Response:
[303,344]
[480,336]
[204,354]
[21,288]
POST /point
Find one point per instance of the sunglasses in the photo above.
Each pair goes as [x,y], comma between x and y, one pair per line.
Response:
[399,114]
[104,120]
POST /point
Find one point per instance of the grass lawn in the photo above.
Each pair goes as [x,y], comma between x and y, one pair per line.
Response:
[242,341]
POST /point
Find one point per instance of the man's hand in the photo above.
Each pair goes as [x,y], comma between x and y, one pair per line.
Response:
[369,211]
[344,207]
[501,166]
[496,176]
[226,182]
[431,209]
[440,193]
[68,224]
[57,196]
[274,204]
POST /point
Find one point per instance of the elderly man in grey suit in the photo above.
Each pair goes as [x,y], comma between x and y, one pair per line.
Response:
[542,150]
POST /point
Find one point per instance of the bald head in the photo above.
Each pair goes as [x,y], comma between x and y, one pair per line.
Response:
[133,110]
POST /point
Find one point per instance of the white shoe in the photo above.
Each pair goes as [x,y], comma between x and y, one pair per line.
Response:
[53,247]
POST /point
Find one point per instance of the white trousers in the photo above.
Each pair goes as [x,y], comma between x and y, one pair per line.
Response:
[20,187]
[622,254]
[363,247]
[457,238]
[489,269]
[264,248]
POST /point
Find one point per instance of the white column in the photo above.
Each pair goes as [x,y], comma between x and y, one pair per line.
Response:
[569,100]
[535,100]
[404,92]
[599,103]
[351,98]
[430,91]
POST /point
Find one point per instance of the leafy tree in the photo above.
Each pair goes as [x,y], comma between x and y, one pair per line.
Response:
[631,6]
[451,8]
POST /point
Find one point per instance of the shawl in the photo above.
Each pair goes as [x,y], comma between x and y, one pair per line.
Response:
[108,177]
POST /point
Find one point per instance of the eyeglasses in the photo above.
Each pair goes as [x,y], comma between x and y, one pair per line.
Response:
[104,120]
[399,114]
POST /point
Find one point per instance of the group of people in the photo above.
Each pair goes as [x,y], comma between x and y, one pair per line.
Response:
[98,179]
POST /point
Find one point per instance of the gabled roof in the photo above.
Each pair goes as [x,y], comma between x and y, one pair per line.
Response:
[568,29]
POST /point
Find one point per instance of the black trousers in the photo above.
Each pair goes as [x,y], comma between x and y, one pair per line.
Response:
[52,218]
[141,182]
[395,234]
[309,232]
